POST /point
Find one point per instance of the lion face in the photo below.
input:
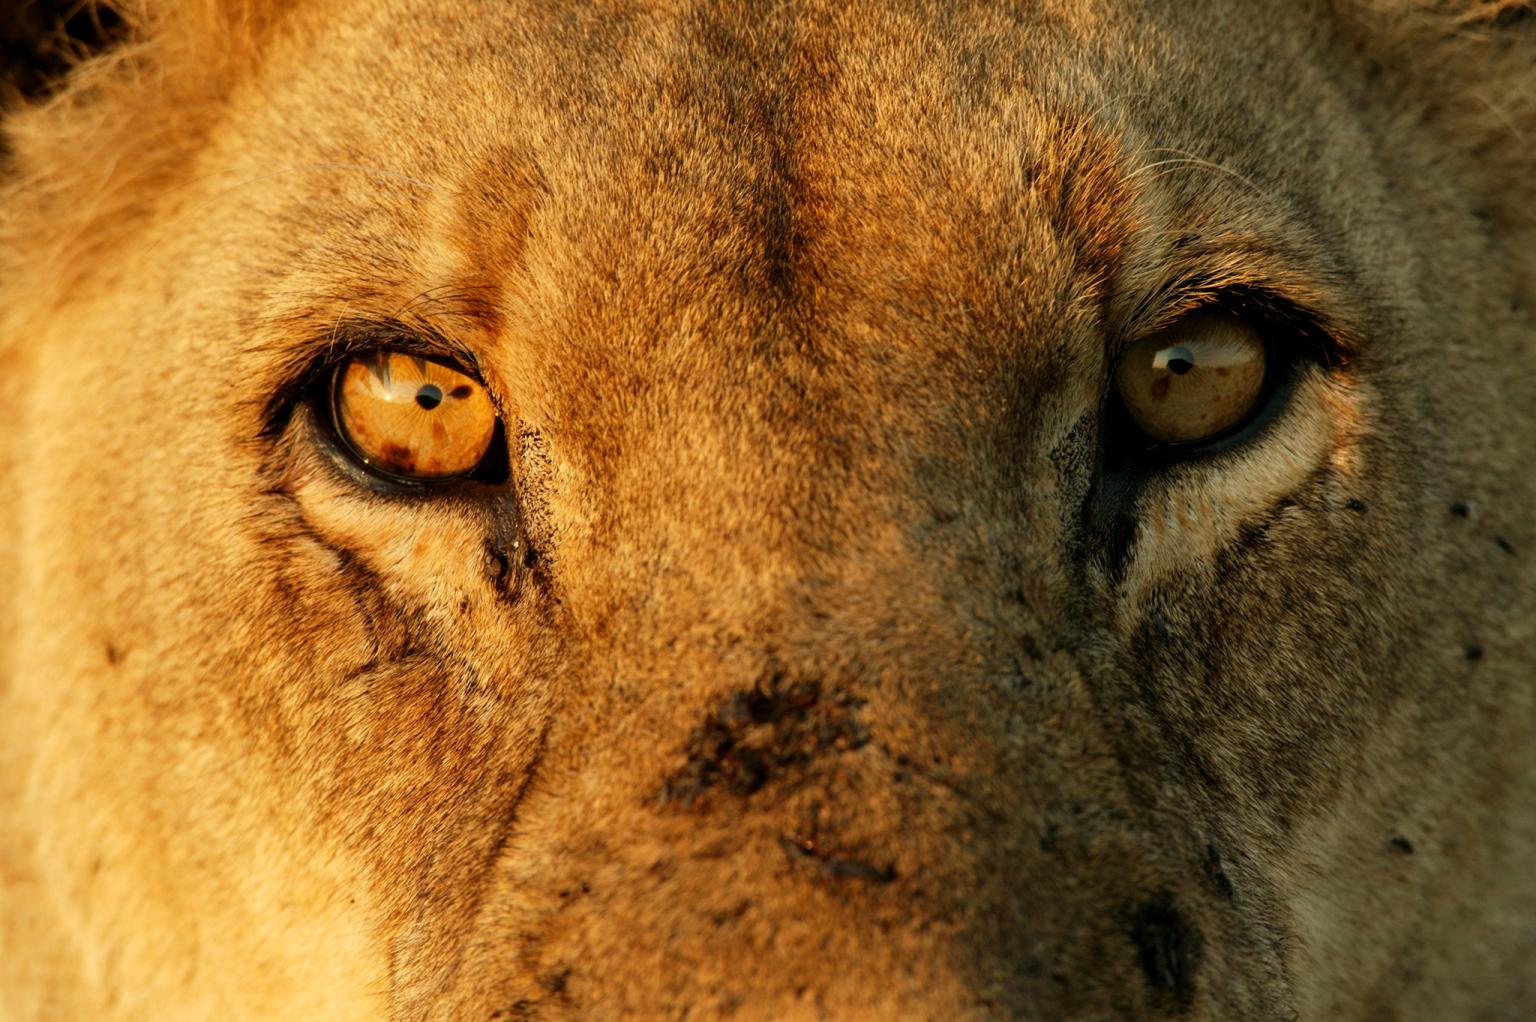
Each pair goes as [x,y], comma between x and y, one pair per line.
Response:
[1010,512]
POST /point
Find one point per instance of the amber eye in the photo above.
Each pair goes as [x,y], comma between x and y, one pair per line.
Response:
[412,417]
[1193,381]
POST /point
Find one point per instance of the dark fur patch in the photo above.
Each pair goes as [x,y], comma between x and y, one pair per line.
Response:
[753,737]
[1216,873]
[1169,947]
[41,40]
[1511,14]
[834,866]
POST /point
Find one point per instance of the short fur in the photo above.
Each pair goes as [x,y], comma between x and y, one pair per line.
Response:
[808,668]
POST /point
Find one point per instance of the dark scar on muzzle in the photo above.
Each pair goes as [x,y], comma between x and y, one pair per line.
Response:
[757,736]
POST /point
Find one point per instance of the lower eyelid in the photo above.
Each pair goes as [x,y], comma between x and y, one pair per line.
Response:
[1295,424]
[1245,474]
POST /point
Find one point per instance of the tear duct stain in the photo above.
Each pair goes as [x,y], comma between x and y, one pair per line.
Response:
[757,736]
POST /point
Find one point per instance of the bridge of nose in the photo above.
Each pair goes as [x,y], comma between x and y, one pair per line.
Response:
[746,300]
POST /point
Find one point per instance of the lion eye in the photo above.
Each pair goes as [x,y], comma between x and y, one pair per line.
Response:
[1194,381]
[411,417]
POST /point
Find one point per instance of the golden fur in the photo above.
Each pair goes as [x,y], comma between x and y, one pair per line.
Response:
[809,669]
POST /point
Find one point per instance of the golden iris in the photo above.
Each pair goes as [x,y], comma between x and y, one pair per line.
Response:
[412,417]
[1195,380]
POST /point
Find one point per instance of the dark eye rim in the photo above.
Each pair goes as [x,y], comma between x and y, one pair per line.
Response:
[306,397]
[492,468]
[1292,339]
[1130,462]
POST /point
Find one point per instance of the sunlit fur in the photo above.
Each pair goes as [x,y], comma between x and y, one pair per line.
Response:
[813,670]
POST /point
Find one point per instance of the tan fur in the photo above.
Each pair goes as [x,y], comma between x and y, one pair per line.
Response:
[812,687]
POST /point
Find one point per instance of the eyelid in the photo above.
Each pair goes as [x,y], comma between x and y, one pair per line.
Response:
[1293,327]
[355,339]
[317,357]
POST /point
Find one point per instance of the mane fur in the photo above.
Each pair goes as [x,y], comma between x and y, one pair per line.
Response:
[88,160]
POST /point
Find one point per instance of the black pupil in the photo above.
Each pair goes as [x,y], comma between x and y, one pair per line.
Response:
[429,396]
[1181,363]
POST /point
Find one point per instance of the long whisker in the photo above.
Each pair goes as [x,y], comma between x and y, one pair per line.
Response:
[1195,161]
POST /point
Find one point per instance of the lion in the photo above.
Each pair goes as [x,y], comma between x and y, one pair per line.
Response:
[855,509]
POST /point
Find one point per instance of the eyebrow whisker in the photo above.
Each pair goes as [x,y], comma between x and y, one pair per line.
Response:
[1182,158]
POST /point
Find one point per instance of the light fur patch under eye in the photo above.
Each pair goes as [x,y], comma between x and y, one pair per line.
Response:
[1194,381]
[412,417]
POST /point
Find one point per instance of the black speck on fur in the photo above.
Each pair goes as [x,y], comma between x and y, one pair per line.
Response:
[1216,873]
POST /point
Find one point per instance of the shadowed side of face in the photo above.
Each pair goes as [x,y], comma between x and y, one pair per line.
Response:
[820,635]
